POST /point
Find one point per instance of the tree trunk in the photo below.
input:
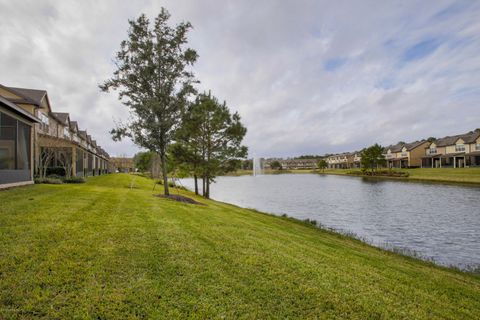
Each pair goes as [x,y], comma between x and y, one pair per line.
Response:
[164,173]
[207,193]
[195,178]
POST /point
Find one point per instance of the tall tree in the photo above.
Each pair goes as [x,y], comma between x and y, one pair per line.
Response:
[372,158]
[214,138]
[154,82]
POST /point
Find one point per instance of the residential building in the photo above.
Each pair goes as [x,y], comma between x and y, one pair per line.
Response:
[406,155]
[453,151]
[292,164]
[56,140]
[16,145]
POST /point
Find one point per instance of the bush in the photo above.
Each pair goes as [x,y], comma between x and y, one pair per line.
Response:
[59,171]
[55,176]
[48,181]
[74,180]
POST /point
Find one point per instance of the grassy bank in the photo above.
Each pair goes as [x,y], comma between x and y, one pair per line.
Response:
[457,175]
[104,250]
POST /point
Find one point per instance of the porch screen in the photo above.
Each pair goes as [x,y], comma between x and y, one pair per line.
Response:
[23,146]
[8,128]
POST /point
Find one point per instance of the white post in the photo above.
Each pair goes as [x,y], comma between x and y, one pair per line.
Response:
[454,162]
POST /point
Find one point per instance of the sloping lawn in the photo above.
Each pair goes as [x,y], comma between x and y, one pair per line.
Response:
[103,250]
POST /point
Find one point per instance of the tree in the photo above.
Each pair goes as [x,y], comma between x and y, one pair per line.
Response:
[143,161]
[372,158]
[276,165]
[213,137]
[247,164]
[153,81]
[322,165]
[431,139]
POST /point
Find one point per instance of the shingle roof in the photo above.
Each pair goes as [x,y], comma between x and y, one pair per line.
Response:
[395,147]
[415,144]
[83,134]
[34,95]
[18,110]
[450,140]
[61,116]
[74,124]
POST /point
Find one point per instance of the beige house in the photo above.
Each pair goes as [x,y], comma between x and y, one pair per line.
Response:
[56,140]
[453,151]
[406,155]
[346,160]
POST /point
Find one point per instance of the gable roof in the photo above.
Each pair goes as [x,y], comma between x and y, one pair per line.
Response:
[32,96]
[450,140]
[74,125]
[413,145]
[62,117]
[18,110]
[82,134]
[395,147]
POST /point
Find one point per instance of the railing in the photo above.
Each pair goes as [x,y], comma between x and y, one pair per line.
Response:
[459,148]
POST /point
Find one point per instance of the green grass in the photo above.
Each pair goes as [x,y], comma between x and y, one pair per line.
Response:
[102,250]
[457,175]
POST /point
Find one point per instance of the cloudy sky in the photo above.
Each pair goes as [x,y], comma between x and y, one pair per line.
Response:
[306,76]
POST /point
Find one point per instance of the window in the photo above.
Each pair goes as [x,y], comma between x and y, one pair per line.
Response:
[14,144]
[23,146]
[433,150]
[66,132]
[8,136]
[45,122]
[460,148]
[477,146]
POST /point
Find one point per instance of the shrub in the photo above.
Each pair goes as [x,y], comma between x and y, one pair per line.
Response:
[48,181]
[59,171]
[74,180]
[55,176]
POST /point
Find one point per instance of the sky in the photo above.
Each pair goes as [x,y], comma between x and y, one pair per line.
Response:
[307,77]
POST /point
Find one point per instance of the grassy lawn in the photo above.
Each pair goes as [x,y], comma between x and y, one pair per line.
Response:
[457,175]
[103,250]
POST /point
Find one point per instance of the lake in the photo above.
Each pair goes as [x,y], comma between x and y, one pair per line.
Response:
[438,221]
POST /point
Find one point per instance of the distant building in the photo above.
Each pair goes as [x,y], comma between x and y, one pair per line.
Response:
[122,164]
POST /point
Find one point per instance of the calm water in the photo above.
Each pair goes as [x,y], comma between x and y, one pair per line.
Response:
[435,220]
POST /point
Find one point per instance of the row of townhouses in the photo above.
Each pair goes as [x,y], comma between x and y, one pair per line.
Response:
[346,160]
[457,151]
[291,164]
[33,138]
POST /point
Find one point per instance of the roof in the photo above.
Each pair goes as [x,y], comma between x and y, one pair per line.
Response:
[469,137]
[474,153]
[62,117]
[31,95]
[82,134]
[413,145]
[74,124]
[395,147]
[18,110]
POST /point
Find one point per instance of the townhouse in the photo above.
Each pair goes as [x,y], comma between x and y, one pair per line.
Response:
[457,151]
[291,164]
[55,140]
[405,155]
[346,160]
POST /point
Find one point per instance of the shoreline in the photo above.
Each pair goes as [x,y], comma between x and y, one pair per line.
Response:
[441,176]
